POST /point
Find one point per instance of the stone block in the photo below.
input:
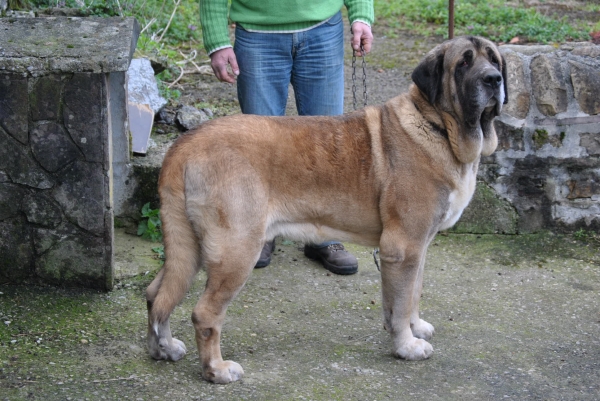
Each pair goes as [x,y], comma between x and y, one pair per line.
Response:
[548,85]
[17,259]
[44,98]
[52,146]
[14,106]
[584,188]
[84,114]
[519,96]
[591,143]
[11,197]
[588,50]
[586,86]
[46,238]
[19,166]
[41,210]
[532,184]
[509,136]
[83,203]
[73,260]
[528,50]
[189,117]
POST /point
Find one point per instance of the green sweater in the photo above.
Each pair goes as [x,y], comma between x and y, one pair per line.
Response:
[273,15]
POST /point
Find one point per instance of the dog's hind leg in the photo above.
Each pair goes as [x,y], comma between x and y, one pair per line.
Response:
[172,282]
[227,271]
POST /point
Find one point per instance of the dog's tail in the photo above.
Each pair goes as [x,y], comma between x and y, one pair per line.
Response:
[182,246]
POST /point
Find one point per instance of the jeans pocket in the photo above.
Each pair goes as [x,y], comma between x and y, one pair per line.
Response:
[336,19]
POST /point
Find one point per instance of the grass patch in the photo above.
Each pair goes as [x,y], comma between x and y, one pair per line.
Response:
[495,19]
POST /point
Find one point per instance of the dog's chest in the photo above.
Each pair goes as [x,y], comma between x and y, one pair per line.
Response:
[459,199]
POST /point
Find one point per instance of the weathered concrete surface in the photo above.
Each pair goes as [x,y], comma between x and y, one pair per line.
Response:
[91,44]
[516,317]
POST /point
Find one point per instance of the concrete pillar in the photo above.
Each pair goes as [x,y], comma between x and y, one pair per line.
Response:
[63,146]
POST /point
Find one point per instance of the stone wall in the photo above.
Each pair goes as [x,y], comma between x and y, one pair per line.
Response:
[63,139]
[547,165]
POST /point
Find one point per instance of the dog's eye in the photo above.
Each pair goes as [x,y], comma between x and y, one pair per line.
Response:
[467,58]
[492,57]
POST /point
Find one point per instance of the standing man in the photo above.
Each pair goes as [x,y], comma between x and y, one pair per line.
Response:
[278,42]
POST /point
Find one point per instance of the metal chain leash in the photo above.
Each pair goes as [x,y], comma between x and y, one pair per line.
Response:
[365,98]
[364,78]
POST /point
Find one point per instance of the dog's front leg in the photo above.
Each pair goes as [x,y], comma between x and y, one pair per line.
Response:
[400,263]
[420,328]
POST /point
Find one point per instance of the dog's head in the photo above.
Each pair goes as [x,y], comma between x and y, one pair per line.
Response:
[465,80]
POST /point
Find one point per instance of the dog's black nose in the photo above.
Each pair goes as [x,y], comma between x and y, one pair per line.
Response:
[493,79]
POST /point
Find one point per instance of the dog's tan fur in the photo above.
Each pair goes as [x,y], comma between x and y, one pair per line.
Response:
[388,176]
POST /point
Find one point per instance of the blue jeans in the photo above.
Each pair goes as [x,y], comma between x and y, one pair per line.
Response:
[312,61]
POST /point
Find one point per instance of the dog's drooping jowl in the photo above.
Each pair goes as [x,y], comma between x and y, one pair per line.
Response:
[388,176]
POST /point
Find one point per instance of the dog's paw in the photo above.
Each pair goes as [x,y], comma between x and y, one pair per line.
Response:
[224,372]
[422,329]
[172,350]
[414,349]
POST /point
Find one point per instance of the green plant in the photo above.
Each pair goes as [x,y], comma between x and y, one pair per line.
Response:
[586,236]
[160,253]
[19,4]
[150,225]
[163,87]
[580,234]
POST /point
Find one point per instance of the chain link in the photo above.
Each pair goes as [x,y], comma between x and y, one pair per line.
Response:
[364,78]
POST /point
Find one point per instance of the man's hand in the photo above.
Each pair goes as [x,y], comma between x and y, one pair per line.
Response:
[361,36]
[220,60]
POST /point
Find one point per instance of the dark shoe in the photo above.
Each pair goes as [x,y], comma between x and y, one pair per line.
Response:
[265,255]
[334,258]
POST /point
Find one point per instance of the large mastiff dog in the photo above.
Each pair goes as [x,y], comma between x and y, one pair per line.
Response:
[386,176]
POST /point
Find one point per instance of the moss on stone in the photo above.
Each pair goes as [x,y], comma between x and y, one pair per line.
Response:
[487,214]
[540,138]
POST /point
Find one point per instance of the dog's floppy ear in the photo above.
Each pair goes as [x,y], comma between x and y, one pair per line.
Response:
[504,80]
[428,74]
